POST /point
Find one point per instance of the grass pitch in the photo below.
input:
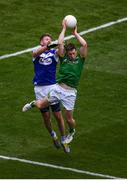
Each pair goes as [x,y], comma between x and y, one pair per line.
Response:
[101,108]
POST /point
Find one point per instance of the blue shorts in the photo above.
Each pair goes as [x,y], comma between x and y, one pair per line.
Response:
[54,107]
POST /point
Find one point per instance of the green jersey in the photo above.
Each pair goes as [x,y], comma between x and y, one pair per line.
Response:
[70,70]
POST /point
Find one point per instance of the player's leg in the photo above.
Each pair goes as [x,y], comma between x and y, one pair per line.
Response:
[60,121]
[47,119]
[45,95]
[47,122]
[36,103]
[68,99]
[71,124]
[70,120]
[58,116]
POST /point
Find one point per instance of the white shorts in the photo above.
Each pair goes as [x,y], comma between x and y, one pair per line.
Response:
[42,91]
[66,96]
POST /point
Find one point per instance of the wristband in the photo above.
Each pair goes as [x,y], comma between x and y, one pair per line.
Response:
[50,46]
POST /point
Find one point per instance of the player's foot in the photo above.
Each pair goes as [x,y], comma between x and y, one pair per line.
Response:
[65,146]
[56,142]
[70,136]
[28,106]
[55,139]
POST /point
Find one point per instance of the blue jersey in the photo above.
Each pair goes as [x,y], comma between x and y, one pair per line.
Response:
[45,68]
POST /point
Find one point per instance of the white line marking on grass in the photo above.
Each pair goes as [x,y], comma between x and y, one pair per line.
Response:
[58,167]
[68,37]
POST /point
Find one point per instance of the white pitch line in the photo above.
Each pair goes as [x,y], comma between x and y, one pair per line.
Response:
[59,167]
[68,37]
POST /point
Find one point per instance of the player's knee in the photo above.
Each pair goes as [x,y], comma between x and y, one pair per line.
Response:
[70,120]
[39,104]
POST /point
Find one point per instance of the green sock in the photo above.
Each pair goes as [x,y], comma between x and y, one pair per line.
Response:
[72,130]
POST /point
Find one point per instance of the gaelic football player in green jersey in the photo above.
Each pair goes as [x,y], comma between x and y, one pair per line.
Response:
[71,66]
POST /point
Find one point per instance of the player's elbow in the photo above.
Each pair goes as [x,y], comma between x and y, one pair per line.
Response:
[85,45]
[34,54]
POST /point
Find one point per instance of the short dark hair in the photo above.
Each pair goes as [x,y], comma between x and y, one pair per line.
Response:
[44,35]
[70,47]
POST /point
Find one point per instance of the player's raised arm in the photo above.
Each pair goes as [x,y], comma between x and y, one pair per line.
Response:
[39,51]
[83,48]
[61,49]
[45,40]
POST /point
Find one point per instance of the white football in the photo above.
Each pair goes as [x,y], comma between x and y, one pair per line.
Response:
[71,21]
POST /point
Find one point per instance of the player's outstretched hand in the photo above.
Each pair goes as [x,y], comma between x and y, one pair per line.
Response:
[74,30]
[64,24]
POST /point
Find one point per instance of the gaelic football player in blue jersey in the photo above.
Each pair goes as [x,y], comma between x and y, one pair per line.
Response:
[45,61]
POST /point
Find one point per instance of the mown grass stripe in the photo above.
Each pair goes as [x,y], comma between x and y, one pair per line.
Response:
[58,167]
[67,37]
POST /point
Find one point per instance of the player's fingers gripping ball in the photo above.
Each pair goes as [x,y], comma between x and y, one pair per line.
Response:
[71,21]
